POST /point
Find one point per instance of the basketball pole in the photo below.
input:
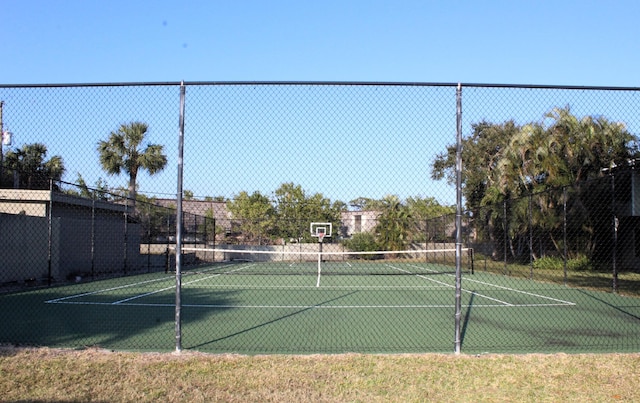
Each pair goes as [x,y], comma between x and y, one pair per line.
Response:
[458,308]
[320,237]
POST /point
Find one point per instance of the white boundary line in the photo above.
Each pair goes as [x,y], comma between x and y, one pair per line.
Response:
[58,300]
[451,286]
[126,301]
[316,306]
[559,301]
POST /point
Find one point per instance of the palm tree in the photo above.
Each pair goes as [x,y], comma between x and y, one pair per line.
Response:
[33,171]
[394,224]
[122,152]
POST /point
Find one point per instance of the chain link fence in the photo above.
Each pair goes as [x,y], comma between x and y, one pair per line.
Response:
[320,217]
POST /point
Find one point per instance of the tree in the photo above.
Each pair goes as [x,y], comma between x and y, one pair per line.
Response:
[524,163]
[123,152]
[99,192]
[33,170]
[394,225]
[255,213]
[482,152]
[423,211]
[365,203]
[295,211]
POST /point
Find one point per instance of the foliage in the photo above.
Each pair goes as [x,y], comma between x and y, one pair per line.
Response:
[99,192]
[394,225]
[362,242]
[211,229]
[122,152]
[256,215]
[157,221]
[32,168]
[579,263]
[365,203]
[507,160]
[295,210]
[521,171]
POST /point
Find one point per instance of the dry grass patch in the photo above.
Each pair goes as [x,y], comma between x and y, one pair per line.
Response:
[97,375]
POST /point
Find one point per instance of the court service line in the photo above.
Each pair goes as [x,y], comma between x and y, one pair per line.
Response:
[451,286]
[522,292]
[106,290]
[512,289]
[112,289]
[172,287]
[229,306]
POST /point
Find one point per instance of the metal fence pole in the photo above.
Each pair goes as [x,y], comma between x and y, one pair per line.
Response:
[93,235]
[126,231]
[530,218]
[178,318]
[458,313]
[564,232]
[50,233]
[615,232]
[505,224]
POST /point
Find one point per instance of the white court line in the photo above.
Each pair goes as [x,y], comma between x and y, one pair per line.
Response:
[317,306]
[449,285]
[57,300]
[522,292]
[173,287]
[51,301]
[562,302]
[125,302]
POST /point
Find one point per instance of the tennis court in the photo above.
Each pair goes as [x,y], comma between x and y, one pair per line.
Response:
[387,306]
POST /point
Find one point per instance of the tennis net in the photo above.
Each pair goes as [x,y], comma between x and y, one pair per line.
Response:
[267,261]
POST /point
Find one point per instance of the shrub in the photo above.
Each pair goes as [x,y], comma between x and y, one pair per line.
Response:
[578,263]
[362,242]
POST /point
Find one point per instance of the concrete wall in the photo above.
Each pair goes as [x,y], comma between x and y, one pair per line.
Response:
[108,250]
[309,252]
[24,241]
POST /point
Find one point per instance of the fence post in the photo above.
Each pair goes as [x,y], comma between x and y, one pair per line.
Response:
[93,234]
[50,232]
[505,224]
[531,236]
[126,231]
[178,318]
[564,232]
[615,232]
[458,304]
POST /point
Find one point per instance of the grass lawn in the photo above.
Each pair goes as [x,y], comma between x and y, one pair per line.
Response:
[99,375]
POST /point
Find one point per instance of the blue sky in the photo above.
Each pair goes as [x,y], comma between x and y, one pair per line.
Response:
[515,42]
[586,43]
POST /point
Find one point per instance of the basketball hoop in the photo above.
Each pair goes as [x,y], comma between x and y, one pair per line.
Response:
[320,230]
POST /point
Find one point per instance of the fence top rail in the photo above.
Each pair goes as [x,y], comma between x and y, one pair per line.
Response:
[324,83]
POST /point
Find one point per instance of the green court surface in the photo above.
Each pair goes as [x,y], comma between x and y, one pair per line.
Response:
[369,307]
